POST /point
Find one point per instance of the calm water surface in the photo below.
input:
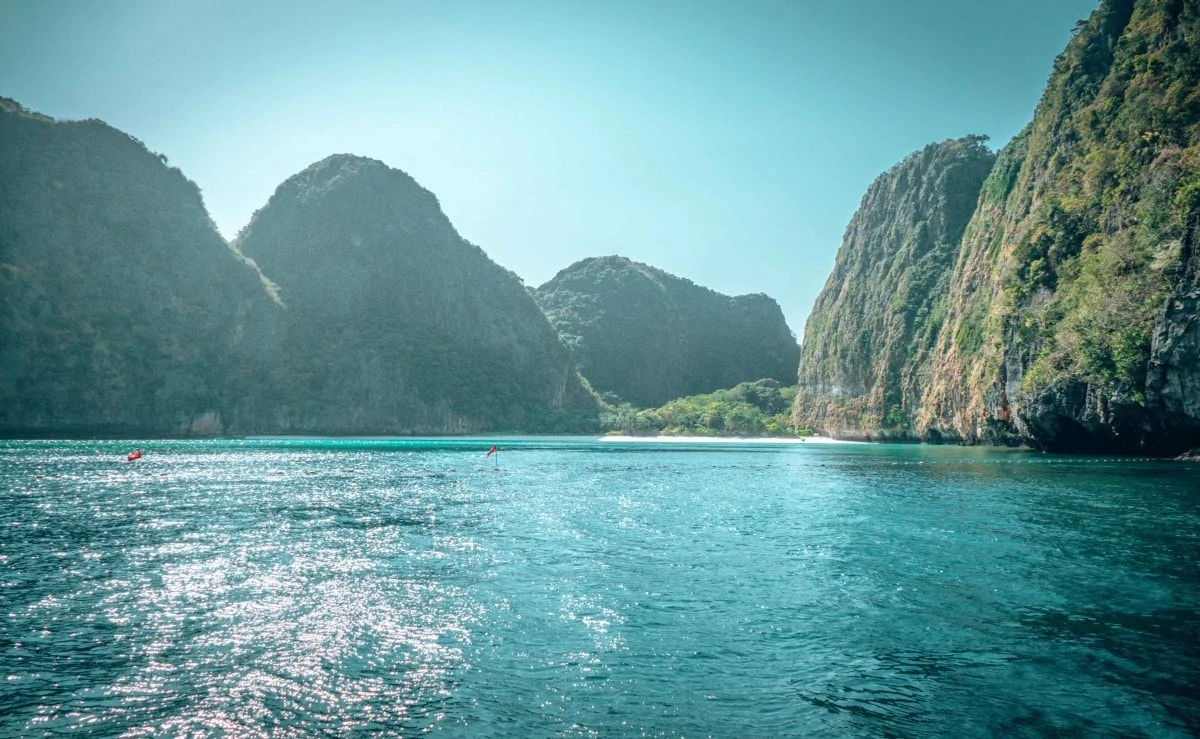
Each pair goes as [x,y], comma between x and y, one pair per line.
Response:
[308,587]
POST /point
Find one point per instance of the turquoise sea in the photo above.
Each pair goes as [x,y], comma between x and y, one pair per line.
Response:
[332,587]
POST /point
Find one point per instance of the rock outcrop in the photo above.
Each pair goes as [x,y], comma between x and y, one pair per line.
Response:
[394,324]
[1077,256]
[866,351]
[1069,323]
[648,337]
[119,300]
[124,313]
[1173,375]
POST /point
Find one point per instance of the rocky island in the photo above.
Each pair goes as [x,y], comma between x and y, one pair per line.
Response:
[1065,317]
[647,337]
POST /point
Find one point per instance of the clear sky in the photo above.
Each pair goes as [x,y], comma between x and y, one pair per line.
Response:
[726,142]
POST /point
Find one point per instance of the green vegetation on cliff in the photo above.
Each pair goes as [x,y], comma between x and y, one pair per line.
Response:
[866,345]
[394,323]
[760,408]
[1065,317]
[647,337]
[1121,120]
[1064,276]
[119,301]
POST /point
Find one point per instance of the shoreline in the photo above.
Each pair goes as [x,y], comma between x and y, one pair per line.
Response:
[729,440]
[470,438]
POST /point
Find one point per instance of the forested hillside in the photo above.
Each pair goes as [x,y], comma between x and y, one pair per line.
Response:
[119,301]
[123,312]
[393,323]
[647,336]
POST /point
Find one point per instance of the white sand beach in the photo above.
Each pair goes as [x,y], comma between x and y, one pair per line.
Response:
[729,440]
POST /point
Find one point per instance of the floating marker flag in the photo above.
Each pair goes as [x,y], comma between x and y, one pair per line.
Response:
[491,451]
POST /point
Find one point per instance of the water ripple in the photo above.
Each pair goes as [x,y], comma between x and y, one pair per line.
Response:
[306,587]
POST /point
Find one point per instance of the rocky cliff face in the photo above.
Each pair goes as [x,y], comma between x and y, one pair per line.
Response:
[1077,259]
[649,337]
[119,301]
[1069,322]
[1173,375]
[124,313]
[866,346]
[393,323]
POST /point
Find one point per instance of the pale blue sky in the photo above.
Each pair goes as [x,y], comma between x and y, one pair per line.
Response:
[726,142]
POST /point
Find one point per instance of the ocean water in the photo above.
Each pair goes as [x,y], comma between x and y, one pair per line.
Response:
[576,588]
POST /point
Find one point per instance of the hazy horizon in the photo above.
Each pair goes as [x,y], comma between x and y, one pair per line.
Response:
[726,144]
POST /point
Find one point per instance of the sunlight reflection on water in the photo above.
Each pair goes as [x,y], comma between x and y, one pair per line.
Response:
[302,586]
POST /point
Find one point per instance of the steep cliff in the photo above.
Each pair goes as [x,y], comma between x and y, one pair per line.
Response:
[123,312]
[649,337]
[866,350]
[1070,320]
[393,323]
[119,301]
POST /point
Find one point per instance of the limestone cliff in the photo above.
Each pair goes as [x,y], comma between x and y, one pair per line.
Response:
[649,337]
[119,301]
[394,324]
[124,313]
[1173,375]
[1069,324]
[866,345]
[1069,321]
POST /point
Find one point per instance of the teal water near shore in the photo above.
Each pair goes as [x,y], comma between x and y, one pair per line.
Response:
[299,586]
